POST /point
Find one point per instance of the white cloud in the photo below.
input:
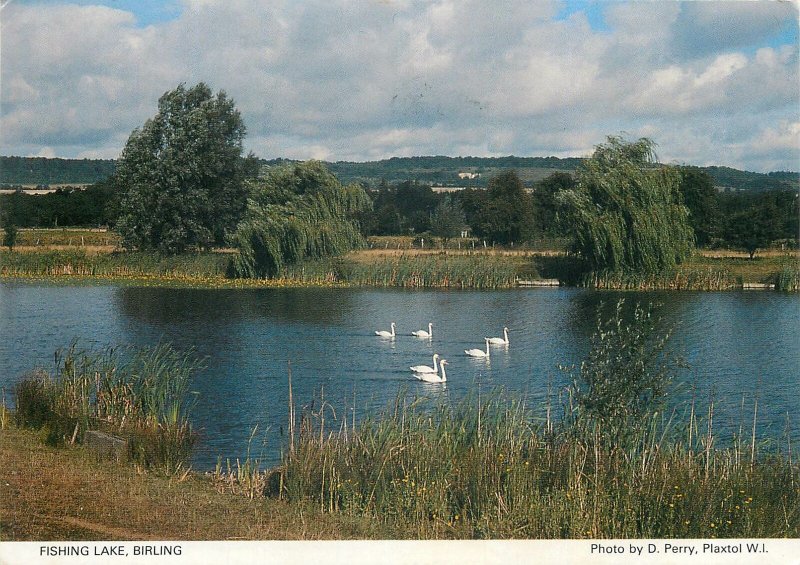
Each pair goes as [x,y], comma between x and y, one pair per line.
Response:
[341,80]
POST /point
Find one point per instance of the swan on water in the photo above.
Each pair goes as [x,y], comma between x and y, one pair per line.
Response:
[433,377]
[384,333]
[479,352]
[420,369]
[423,333]
[499,340]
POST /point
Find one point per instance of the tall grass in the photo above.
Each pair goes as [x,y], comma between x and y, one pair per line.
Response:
[489,468]
[144,399]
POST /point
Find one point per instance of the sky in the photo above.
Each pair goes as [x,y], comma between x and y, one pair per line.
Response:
[712,83]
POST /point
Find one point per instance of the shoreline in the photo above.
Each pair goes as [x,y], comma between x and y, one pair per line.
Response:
[706,270]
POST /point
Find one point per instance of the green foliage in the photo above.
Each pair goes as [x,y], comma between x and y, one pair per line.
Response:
[68,206]
[400,209]
[753,222]
[545,203]
[448,219]
[700,197]
[503,213]
[626,212]
[297,212]
[181,174]
[47,171]
[625,378]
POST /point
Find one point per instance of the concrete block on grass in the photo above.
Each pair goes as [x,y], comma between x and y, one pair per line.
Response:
[106,445]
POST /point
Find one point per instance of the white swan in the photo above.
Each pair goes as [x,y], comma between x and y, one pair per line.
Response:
[433,377]
[479,352]
[423,333]
[384,333]
[420,369]
[499,340]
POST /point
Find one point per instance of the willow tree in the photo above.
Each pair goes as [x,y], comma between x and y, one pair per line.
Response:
[626,212]
[296,212]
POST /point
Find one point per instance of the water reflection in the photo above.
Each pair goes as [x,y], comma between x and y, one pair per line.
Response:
[229,306]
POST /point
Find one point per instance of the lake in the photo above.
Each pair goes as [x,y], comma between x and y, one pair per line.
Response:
[739,346]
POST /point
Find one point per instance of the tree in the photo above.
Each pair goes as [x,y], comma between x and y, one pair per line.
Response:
[700,197]
[9,234]
[181,174]
[505,214]
[297,212]
[448,219]
[753,228]
[626,211]
[545,204]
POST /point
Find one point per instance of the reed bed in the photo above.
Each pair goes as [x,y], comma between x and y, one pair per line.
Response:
[491,468]
[144,400]
[478,271]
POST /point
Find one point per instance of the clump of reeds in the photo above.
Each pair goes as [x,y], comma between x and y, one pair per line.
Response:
[788,278]
[491,467]
[144,399]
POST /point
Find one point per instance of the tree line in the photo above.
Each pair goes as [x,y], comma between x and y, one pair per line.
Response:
[182,183]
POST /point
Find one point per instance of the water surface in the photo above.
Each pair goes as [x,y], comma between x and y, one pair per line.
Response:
[739,345]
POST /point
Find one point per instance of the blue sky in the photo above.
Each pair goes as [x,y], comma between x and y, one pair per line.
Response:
[147,12]
[710,82]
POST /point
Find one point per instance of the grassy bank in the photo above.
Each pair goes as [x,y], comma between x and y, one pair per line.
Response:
[409,268]
[57,493]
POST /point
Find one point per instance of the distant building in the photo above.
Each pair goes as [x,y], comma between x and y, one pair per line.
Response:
[469,176]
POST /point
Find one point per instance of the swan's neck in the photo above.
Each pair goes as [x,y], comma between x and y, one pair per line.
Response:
[444,375]
[435,363]
[505,334]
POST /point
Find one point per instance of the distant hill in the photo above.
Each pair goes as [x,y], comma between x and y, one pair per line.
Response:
[44,171]
[439,170]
